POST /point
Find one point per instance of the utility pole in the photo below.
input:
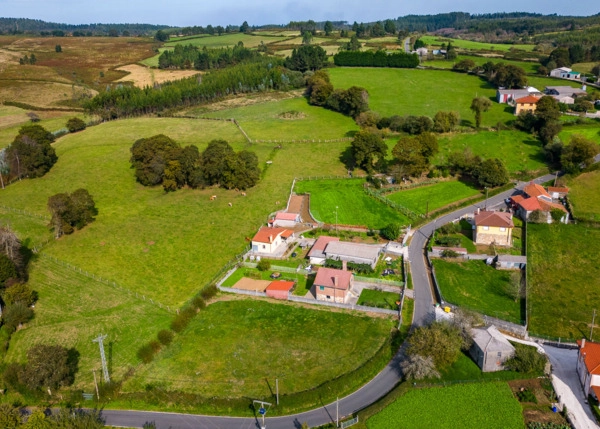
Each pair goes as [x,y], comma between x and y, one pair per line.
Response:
[337,412]
[277,389]
[592,330]
[96,384]
[100,340]
[262,410]
[336,220]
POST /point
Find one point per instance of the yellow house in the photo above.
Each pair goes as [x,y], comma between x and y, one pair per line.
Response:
[493,227]
[526,104]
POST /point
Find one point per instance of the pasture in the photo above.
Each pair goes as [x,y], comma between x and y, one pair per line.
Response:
[432,197]
[235,348]
[352,205]
[474,46]
[590,131]
[422,92]
[529,67]
[564,279]
[288,119]
[479,287]
[444,407]
[226,40]
[584,196]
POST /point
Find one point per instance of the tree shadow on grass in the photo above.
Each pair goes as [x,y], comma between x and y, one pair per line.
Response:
[347,158]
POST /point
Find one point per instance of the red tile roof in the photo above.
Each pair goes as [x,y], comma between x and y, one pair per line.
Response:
[517,199]
[591,353]
[325,277]
[286,216]
[530,99]
[546,206]
[530,204]
[322,243]
[287,233]
[500,219]
[560,190]
[596,390]
[267,235]
[281,285]
[534,190]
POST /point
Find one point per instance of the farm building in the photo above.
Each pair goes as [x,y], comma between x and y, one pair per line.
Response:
[557,192]
[317,252]
[565,73]
[511,262]
[269,240]
[353,252]
[526,104]
[285,220]
[561,91]
[533,190]
[493,227]
[509,95]
[490,349]
[332,285]
[280,289]
[588,367]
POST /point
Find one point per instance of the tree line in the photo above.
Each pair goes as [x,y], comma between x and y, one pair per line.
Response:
[264,74]
[159,160]
[320,92]
[375,59]
[189,56]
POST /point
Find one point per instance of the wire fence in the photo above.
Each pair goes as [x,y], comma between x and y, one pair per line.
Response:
[105,281]
[24,212]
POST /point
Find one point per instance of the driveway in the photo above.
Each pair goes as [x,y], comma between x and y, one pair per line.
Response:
[568,387]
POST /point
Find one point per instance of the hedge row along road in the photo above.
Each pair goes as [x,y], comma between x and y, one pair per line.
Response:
[378,387]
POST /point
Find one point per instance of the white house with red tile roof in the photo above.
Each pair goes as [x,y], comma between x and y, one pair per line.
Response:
[588,367]
[332,285]
[285,219]
[493,227]
[316,254]
[536,198]
[533,190]
[267,240]
[557,192]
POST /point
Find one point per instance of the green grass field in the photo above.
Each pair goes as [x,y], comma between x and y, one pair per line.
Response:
[453,406]
[354,206]
[235,348]
[564,279]
[474,46]
[266,121]
[518,150]
[529,67]
[433,197]
[584,196]
[591,131]
[379,299]
[477,286]
[249,40]
[421,92]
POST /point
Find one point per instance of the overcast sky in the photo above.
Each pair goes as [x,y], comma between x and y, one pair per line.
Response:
[258,12]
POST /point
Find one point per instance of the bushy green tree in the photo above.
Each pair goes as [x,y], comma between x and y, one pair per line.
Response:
[328,28]
[413,155]
[10,417]
[368,149]
[479,105]
[578,154]
[319,88]
[392,231]
[75,124]
[19,292]
[440,341]
[526,360]
[149,157]
[444,122]
[351,102]
[70,211]
[417,367]
[16,314]
[161,36]
[491,173]
[307,57]
[31,154]
[49,367]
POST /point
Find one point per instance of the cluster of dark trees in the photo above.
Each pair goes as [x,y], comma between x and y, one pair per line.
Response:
[24,25]
[375,59]
[159,160]
[31,60]
[413,155]
[307,57]
[376,29]
[71,211]
[29,155]
[189,56]
[567,55]
[486,173]
[261,75]
[443,122]
[498,74]
[351,101]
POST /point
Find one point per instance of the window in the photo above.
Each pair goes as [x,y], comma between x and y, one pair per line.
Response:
[486,228]
[328,297]
[502,229]
[264,246]
[499,354]
[321,287]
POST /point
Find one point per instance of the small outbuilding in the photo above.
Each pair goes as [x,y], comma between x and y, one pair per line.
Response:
[316,254]
[490,350]
[511,262]
[285,220]
[357,253]
[280,289]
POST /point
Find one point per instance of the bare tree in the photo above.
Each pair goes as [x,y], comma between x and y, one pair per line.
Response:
[417,367]
[10,245]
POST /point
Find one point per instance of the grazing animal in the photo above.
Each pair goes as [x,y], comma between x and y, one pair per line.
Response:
[230,205]
[214,197]
[243,194]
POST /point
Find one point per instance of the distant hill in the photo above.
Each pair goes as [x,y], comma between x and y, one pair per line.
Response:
[36,26]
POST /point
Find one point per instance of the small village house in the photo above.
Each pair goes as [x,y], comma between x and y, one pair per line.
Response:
[537,198]
[280,289]
[267,240]
[285,220]
[490,350]
[588,367]
[565,73]
[561,91]
[353,252]
[493,228]
[316,254]
[510,95]
[526,104]
[332,285]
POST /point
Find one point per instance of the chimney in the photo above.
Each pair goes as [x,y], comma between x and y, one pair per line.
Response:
[582,342]
[478,210]
[270,238]
[335,281]
[344,266]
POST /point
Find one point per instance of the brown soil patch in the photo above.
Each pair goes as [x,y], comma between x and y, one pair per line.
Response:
[250,284]
[143,76]
[542,411]
[42,94]
[249,100]
[292,115]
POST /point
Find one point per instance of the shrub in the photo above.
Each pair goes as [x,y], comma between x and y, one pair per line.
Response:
[145,353]
[17,314]
[209,291]
[526,359]
[449,254]
[75,124]
[183,319]
[391,231]
[19,292]
[526,395]
[448,241]
[165,336]
[198,303]
[263,265]
[450,228]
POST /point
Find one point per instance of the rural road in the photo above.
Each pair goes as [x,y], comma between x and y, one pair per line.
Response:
[369,393]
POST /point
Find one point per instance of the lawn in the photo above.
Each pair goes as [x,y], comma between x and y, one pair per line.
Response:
[518,150]
[73,309]
[584,196]
[591,131]
[474,405]
[379,299]
[267,121]
[237,348]
[352,205]
[432,197]
[474,46]
[421,92]
[477,286]
[564,279]
[529,67]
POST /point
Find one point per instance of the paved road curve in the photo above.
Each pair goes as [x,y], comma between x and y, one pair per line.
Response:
[369,393]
